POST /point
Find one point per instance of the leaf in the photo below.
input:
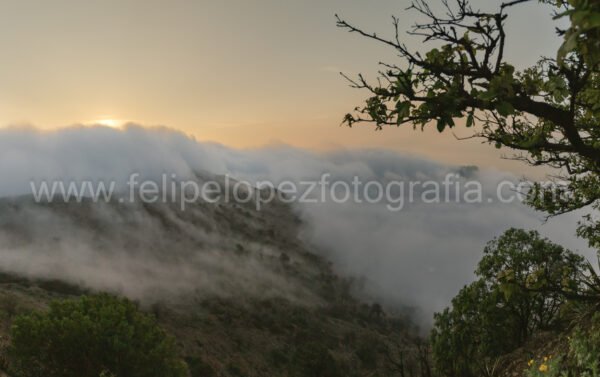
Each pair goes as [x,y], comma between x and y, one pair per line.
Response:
[470,120]
[567,46]
[349,119]
[441,124]
[403,109]
[508,290]
[593,21]
[505,109]
[486,96]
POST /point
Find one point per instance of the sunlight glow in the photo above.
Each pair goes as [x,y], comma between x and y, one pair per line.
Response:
[114,123]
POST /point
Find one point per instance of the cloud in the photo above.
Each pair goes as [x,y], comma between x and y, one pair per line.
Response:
[419,256]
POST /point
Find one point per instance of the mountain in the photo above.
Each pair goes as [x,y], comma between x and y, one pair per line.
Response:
[237,287]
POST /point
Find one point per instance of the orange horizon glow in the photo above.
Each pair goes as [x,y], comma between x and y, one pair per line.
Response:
[267,73]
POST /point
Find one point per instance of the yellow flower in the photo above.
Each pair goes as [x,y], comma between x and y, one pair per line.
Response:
[545,359]
[543,368]
[530,363]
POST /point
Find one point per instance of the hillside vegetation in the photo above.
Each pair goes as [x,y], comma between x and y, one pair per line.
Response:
[246,296]
[532,310]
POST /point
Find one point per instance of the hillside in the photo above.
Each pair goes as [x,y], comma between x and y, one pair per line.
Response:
[243,295]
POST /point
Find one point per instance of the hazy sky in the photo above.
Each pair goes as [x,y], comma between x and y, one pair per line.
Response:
[243,73]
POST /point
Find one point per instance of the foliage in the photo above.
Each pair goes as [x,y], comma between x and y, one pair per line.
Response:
[582,358]
[547,367]
[490,317]
[90,336]
[368,350]
[549,113]
[464,337]
[534,271]
[584,33]
[9,305]
[585,348]
[315,360]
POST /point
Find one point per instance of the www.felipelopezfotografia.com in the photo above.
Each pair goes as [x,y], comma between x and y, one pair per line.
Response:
[394,194]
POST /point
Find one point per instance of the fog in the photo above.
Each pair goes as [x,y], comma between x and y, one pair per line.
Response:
[419,255]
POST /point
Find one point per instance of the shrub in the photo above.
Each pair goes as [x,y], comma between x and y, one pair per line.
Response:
[521,288]
[547,367]
[585,348]
[477,326]
[583,356]
[101,334]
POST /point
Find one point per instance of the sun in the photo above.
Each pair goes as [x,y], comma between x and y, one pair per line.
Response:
[107,122]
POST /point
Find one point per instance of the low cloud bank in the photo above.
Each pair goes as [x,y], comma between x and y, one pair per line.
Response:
[420,255]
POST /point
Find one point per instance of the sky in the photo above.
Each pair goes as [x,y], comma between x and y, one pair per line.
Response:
[241,73]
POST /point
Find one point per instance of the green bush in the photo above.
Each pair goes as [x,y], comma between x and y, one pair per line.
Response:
[583,356]
[101,334]
[585,348]
[478,326]
[547,367]
[521,285]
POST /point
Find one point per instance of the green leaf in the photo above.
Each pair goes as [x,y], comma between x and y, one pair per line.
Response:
[403,109]
[441,124]
[505,109]
[593,21]
[349,119]
[567,46]
[486,96]
[470,120]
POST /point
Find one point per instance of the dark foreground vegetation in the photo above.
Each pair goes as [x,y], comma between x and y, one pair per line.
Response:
[50,328]
[92,336]
[533,309]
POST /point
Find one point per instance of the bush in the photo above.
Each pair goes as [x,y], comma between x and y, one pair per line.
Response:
[547,367]
[583,356]
[585,348]
[95,335]
[521,288]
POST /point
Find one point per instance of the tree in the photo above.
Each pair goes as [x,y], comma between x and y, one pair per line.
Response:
[91,336]
[493,316]
[535,275]
[549,113]
[475,330]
